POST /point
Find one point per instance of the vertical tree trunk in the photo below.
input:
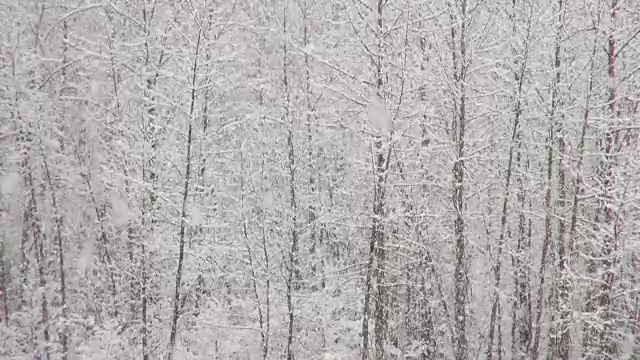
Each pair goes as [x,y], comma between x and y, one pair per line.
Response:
[562,338]
[426,311]
[521,308]
[4,288]
[58,240]
[377,252]
[561,347]
[578,182]
[381,314]
[310,118]
[132,235]
[293,270]
[183,212]
[38,238]
[545,245]
[608,344]
[603,333]
[102,238]
[522,327]
[149,175]
[561,335]
[26,219]
[376,262]
[551,139]
[57,214]
[514,142]
[460,276]
[38,241]
[265,348]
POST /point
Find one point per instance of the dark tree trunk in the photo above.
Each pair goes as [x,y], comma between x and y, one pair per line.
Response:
[183,213]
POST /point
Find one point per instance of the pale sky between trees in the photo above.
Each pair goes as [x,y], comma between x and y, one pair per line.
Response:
[320,179]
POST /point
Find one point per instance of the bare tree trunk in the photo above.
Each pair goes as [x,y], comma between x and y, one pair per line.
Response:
[183,213]
[200,183]
[26,221]
[367,300]
[38,241]
[293,276]
[377,251]
[4,288]
[376,263]
[460,276]
[265,252]
[149,175]
[560,329]
[58,240]
[578,182]
[548,235]
[562,338]
[381,313]
[515,141]
[381,168]
[131,232]
[265,348]
[263,315]
[545,246]
[144,300]
[254,288]
[420,310]
[521,313]
[102,234]
[315,239]
[293,270]
[427,332]
[608,344]
[600,339]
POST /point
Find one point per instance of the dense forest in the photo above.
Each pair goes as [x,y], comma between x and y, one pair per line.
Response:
[320,179]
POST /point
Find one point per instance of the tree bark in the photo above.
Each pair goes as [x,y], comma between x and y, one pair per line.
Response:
[376,266]
[38,240]
[183,212]
[58,240]
[551,139]
[600,338]
[4,281]
[560,335]
[460,276]
[514,142]
[293,268]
